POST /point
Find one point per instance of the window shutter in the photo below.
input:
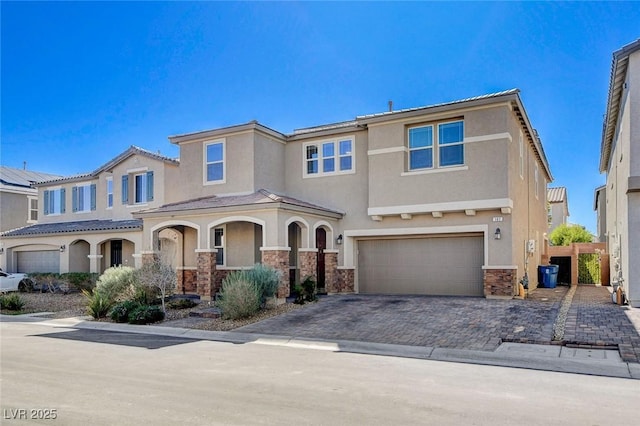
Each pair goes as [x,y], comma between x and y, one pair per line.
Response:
[74,199]
[63,200]
[93,196]
[150,186]
[46,202]
[125,189]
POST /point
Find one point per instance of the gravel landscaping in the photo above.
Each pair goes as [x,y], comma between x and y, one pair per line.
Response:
[74,305]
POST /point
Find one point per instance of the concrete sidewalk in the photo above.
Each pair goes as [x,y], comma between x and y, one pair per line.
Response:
[516,355]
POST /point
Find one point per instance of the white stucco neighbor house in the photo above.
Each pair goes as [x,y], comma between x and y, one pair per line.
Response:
[620,160]
[558,207]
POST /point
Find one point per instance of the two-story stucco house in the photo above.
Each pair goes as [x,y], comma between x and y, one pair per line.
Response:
[448,199]
[18,199]
[558,207]
[85,221]
[620,159]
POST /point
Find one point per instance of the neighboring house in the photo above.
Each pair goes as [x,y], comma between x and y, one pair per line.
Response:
[620,159]
[558,207]
[85,221]
[18,200]
[444,199]
[600,207]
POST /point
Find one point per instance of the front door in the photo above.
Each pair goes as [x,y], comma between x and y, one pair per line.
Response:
[321,245]
[116,253]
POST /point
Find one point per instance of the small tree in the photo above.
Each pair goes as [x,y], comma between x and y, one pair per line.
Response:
[158,275]
[565,234]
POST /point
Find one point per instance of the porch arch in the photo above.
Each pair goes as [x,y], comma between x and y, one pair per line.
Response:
[304,227]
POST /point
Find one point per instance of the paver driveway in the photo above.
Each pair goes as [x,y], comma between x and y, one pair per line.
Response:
[450,322]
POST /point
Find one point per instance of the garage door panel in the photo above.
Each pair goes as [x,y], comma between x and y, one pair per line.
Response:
[38,261]
[432,266]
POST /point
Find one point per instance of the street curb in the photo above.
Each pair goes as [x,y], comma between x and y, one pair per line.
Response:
[532,357]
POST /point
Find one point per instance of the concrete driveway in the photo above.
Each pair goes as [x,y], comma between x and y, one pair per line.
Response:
[587,318]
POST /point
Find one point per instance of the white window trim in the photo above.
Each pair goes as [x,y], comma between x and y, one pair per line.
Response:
[109,207]
[144,185]
[78,186]
[336,157]
[435,148]
[29,209]
[224,243]
[57,188]
[222,141]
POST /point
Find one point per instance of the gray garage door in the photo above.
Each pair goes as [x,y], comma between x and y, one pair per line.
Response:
[432,266]
[39,261]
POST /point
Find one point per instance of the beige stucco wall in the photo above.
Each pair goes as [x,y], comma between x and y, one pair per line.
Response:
[15,209]
[269,163]
[119,211]
[623,209]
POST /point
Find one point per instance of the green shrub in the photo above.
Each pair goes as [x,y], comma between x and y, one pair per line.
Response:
[11,302]
[181,304]
[98,304]
[239,297]
[121,311]
[266,280]
[305,291]
[146,314]
[117,283]
[80,280]
[145,295]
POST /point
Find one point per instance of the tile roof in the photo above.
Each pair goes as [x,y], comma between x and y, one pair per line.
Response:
[78,226]
[23,178]
[557,195]
[260,197]
[132,150]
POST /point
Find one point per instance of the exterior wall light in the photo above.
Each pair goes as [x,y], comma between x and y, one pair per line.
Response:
[1,250]
[498,234]
[339,239]
[62,248]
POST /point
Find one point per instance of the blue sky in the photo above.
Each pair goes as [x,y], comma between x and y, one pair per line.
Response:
[81,82]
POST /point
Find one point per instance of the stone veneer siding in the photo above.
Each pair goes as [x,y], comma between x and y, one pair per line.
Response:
[500,282]
[187,281]
[206,264]
[345,282]
[308,264]
[279,259]
[331,272]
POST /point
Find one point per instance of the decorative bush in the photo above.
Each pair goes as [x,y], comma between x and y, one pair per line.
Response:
[11,302]
[266,280]
[117,283]
[181,304]
[98,304]
[157,278]
[146,314]
[240,297]
[121,311]
[80,280]
[305,291]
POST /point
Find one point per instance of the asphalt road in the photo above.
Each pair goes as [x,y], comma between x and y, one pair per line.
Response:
[99,377]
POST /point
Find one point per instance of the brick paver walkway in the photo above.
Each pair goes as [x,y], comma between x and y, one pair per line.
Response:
[593,320]
[464,323]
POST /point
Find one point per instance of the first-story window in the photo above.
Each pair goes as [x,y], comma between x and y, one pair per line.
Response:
[218,243]
[329,157]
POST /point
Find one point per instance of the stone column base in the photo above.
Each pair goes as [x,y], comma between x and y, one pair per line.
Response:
[500,282]
[278,258]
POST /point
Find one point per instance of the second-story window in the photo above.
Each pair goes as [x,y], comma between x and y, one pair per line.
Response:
[328,157]
[84,198]
[140,185]
[429,149]
[32,214]
[214,162]
[109,193]
[54,201]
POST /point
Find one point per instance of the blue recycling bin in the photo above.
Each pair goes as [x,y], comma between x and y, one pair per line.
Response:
[548,275]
